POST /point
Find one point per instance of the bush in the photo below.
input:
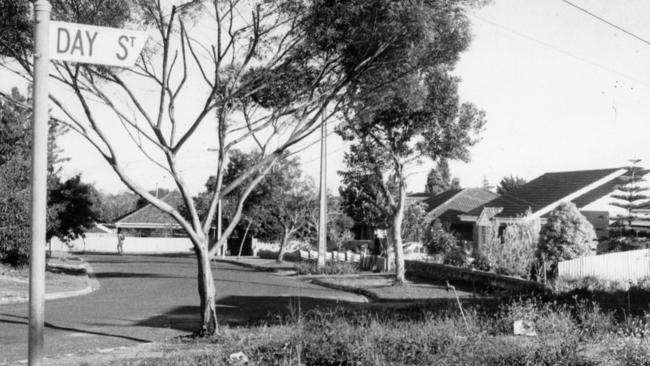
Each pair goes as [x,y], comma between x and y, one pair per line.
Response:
[596,284]
[14,228]
[437,240]
[566,235]
[514,253]
[456,257]
[267,254]
[480,263]
[273,254]
[336,268]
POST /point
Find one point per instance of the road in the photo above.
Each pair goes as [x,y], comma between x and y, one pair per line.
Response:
[151,298]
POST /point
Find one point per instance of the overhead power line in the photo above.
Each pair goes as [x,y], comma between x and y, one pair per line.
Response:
[558,50]
[607,22]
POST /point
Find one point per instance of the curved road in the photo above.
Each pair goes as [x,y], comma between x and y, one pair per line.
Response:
[150,298]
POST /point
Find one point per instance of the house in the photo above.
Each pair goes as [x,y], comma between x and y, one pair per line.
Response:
[445,206]
[449,205]
[150,221]
[589,190]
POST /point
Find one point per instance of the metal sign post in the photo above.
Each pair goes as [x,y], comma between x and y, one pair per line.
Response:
[40,117]
[66,42]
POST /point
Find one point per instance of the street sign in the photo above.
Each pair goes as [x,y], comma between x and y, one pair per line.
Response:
[95,45]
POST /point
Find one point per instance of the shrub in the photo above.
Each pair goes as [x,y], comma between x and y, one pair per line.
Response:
[14,230]
[566,235]
[336,268]
[481,263]
[437,240]
[273,254]
[514,253]
[267,254]
[456,257]
[596,284]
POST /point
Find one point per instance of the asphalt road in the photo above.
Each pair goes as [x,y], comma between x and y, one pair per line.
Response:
[151,298]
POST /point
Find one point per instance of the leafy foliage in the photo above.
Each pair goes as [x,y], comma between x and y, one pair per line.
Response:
[405,109]
[509,183]
[456,257]
[70,203]
[513,253]
[76,205]
[113,206]
[439,179]
[566,235]
[439,240]
[338,223]
[415,221]
[361,191]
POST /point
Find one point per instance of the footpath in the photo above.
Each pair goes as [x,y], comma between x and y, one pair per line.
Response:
[66,276]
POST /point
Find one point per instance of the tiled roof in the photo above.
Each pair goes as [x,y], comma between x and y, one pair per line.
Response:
[550,188]
[448,205]
[151,215]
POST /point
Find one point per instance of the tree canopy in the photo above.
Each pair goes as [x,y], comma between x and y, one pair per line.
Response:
[406,108]
[71,203]
[439,179]
[510,183]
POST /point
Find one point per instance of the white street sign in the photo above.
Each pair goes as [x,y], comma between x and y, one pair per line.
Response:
[95,45]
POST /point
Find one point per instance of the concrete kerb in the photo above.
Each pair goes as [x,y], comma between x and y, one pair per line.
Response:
[275,270]
[73,269]
[357,290]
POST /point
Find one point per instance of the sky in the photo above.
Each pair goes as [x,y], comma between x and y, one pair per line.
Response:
[561,90]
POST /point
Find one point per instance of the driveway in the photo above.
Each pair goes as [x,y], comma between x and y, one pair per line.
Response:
[151,298]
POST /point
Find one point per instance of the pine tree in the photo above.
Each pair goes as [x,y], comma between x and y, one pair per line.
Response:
[486,184]
[439,179]
[630,195]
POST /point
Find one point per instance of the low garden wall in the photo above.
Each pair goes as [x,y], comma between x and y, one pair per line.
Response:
[468,277]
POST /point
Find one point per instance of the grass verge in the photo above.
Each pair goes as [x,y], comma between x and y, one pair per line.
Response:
[567,334]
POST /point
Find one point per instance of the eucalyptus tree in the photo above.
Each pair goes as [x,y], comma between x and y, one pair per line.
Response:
[406,108]
[261,73]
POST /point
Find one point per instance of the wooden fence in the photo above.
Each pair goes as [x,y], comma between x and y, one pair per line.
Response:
[366,262]
[631,265]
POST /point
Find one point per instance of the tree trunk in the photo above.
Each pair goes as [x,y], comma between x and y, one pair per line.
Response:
[396,238]
[241,245]
[207,293]
[283,245]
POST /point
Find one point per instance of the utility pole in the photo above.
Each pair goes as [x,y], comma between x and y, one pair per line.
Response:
[225,245]
[322,222]
[40,119]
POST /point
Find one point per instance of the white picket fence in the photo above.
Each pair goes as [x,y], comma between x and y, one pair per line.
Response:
[631,265]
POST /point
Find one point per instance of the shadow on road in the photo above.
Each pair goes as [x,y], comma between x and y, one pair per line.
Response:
[243,310]
[24,320]
[134,275]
